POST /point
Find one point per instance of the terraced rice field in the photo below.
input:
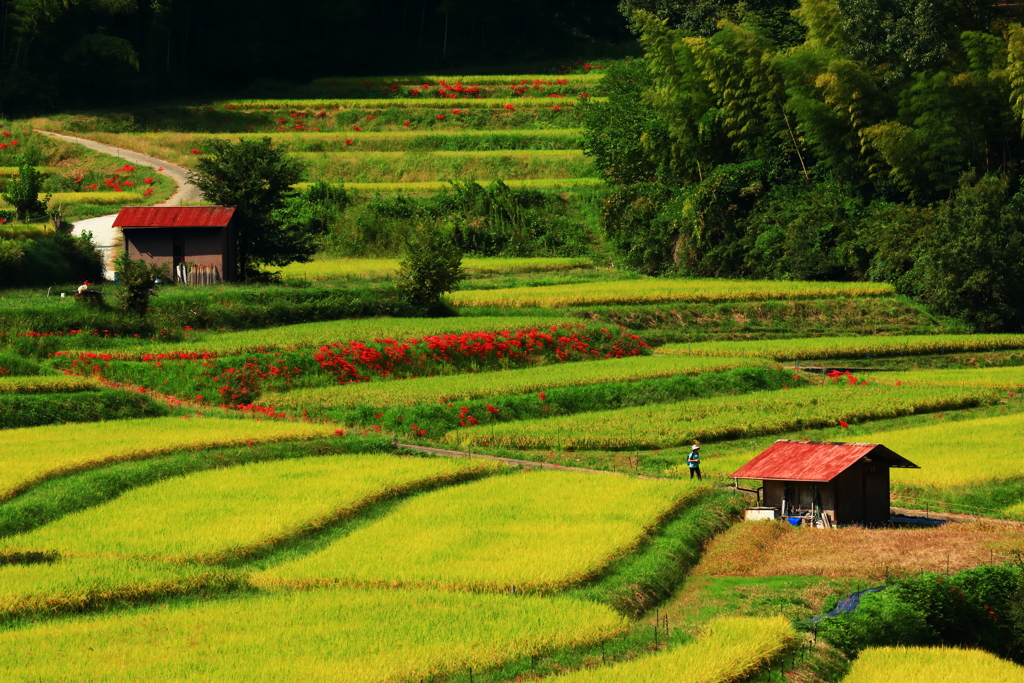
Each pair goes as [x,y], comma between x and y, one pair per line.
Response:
[241,511]
[849,347]
[726,417]
[501,383]
[47,384]
[993,450]
[339,331]
[386,268]
[928,664]
[651,291]
[729,649]
[34,454]
[83,583]
[535,531]
[344,634]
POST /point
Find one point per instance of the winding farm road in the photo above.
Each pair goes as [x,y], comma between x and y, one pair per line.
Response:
[104,234]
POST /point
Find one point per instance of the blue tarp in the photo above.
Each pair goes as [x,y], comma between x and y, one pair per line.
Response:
[848,604]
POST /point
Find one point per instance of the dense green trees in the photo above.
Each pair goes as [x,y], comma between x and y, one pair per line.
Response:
[276,225]
[885,143]
[61,53]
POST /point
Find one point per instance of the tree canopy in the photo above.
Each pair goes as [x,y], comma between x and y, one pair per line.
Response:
[275,224]
[735,153]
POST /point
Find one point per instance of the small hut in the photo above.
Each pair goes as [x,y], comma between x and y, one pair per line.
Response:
[834,483]
[197,242]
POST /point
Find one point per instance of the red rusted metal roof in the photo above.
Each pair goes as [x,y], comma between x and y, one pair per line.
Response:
[174,217]
[814,460]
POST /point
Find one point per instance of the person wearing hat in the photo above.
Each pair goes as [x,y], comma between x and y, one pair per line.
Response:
[694,462]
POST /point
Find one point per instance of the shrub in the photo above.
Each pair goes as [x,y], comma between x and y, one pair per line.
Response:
[23,192]
[432,266]
[137,279]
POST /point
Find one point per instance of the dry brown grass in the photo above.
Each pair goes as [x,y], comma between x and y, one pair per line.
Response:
[762,549]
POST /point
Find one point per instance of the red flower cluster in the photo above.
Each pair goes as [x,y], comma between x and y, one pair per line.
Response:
[848,376]
[523,348]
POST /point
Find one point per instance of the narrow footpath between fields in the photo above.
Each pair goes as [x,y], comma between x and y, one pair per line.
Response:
[522,463]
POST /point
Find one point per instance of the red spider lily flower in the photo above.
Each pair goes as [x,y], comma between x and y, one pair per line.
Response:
[7,134]
[127,168]
[196,151]
[542,395]
[370,116]
[250,128]
[379,415]
[348,142]
[940,414]
[160,169]
[492,409]
[440,117]
[556,108]
[785,387]
[899,383]
[148,192]
[844,424]
[456,112]
[148,180]
[356,128]
[510,106]
[405,123]
[339,432]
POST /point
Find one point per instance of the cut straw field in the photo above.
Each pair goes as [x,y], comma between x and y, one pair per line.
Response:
[651,290]
[849,347]
[724,417]
[464,387]
[729,649]
[237,512]
[536,531]
[34,454]
[346,635]
[931,664]
[778,549]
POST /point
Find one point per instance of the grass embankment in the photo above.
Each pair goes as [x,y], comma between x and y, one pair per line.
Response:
[245,510]
[534,531]
[358,636]
[34,408]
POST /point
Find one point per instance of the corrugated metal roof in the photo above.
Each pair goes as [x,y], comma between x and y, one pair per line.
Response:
[174,217]
[814,460]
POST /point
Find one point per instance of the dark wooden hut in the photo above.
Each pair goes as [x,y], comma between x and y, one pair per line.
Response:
[197,242]
[837,483]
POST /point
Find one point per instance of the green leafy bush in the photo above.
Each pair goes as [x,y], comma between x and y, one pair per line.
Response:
[978,607]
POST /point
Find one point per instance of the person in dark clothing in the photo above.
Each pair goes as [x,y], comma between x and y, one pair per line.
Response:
[694,462]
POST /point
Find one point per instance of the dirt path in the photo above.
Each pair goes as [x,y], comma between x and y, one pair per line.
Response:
[106,237]
[522,463]
[179,174]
